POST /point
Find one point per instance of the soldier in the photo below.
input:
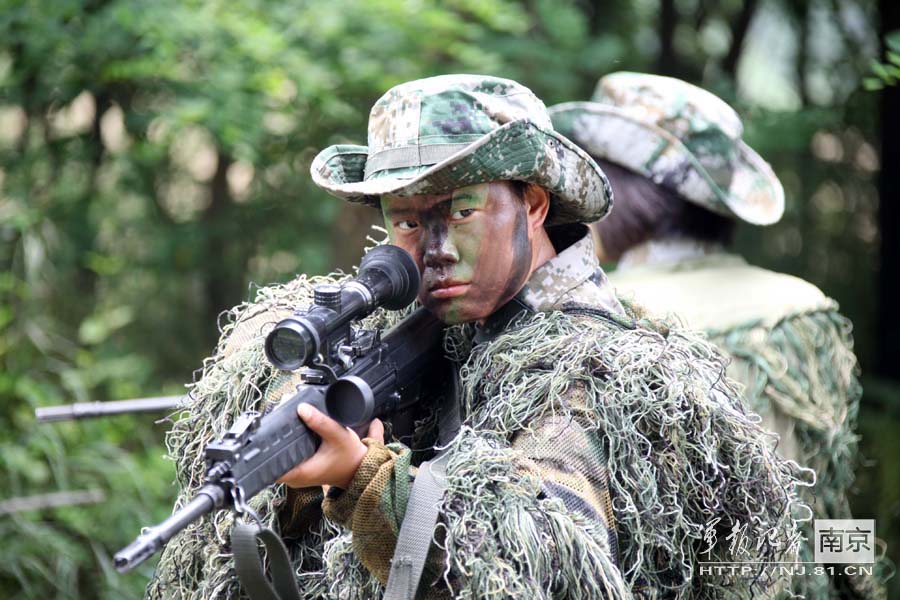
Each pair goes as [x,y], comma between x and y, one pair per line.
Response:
[680,181]
[583,453]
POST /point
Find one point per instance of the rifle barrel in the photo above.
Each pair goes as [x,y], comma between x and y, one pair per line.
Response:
[51,500]
[85,410]
[208,498]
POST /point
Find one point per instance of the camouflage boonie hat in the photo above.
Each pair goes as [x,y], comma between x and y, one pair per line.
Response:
[434,135]
[681,137]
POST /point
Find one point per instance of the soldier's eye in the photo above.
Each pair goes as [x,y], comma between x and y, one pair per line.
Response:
[407,225]
[462,214]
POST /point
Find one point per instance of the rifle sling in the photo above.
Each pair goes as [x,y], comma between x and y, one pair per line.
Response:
[250,569]
[423,507]
[417,530]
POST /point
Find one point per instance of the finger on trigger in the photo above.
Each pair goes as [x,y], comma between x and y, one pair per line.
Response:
[304,474]
[291,477]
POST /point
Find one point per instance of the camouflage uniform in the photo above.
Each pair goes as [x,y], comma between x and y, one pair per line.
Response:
[788,343]
[561,451]
[593,448]
[442,133]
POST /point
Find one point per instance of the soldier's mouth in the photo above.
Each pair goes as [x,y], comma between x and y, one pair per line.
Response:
[447,289]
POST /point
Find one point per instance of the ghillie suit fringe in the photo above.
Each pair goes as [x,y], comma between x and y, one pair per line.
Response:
[682,454]
[197,563]
[504,540]
[804,366]
[793,352]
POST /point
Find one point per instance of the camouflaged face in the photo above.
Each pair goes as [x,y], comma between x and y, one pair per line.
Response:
[681,137]
[438,134]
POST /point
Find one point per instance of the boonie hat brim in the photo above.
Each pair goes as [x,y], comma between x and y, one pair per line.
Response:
[519,150]
[754,194]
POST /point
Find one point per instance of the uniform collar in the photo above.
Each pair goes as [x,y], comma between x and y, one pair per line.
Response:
[575,262]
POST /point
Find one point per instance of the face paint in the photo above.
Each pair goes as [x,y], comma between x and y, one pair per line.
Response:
[472,246]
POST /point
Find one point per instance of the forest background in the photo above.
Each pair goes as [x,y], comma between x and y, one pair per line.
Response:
[154,164]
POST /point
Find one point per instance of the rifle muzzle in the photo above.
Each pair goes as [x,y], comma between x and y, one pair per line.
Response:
[149,543]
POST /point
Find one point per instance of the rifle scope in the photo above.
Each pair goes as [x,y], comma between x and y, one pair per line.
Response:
[388,277]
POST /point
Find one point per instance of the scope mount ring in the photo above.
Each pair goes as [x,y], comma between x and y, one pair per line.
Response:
[319,364]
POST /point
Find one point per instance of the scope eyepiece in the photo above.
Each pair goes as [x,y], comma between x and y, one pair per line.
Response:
[392,276]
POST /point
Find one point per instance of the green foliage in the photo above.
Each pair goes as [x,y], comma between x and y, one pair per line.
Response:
[154,161]
[886,73]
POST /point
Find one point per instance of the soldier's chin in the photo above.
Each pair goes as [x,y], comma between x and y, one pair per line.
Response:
[452,311]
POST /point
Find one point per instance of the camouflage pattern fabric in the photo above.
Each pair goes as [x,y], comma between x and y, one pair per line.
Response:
[438,134]
[679,136]
[573,276]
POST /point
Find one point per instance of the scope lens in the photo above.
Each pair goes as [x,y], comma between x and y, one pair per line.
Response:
[286,348]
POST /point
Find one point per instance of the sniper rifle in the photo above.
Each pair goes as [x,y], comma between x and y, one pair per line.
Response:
[352,376]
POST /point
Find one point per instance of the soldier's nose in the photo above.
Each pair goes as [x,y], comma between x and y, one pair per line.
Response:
[440,250]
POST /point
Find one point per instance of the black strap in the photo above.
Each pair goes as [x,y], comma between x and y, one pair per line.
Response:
[249,566]
[450,410]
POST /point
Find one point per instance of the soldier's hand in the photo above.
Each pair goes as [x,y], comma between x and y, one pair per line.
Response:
[339,455]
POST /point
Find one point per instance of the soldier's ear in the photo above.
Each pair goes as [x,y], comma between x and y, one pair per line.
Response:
[537,205]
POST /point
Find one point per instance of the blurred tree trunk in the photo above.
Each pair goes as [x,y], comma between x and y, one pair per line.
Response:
[81,225]
[223,279]
[800,11]
[739,28]
[889,214]
[667,62]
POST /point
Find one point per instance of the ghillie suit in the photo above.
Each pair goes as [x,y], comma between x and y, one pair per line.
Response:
[598,456]
[236,378]
[683,176]
[793,352]
[683,460]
